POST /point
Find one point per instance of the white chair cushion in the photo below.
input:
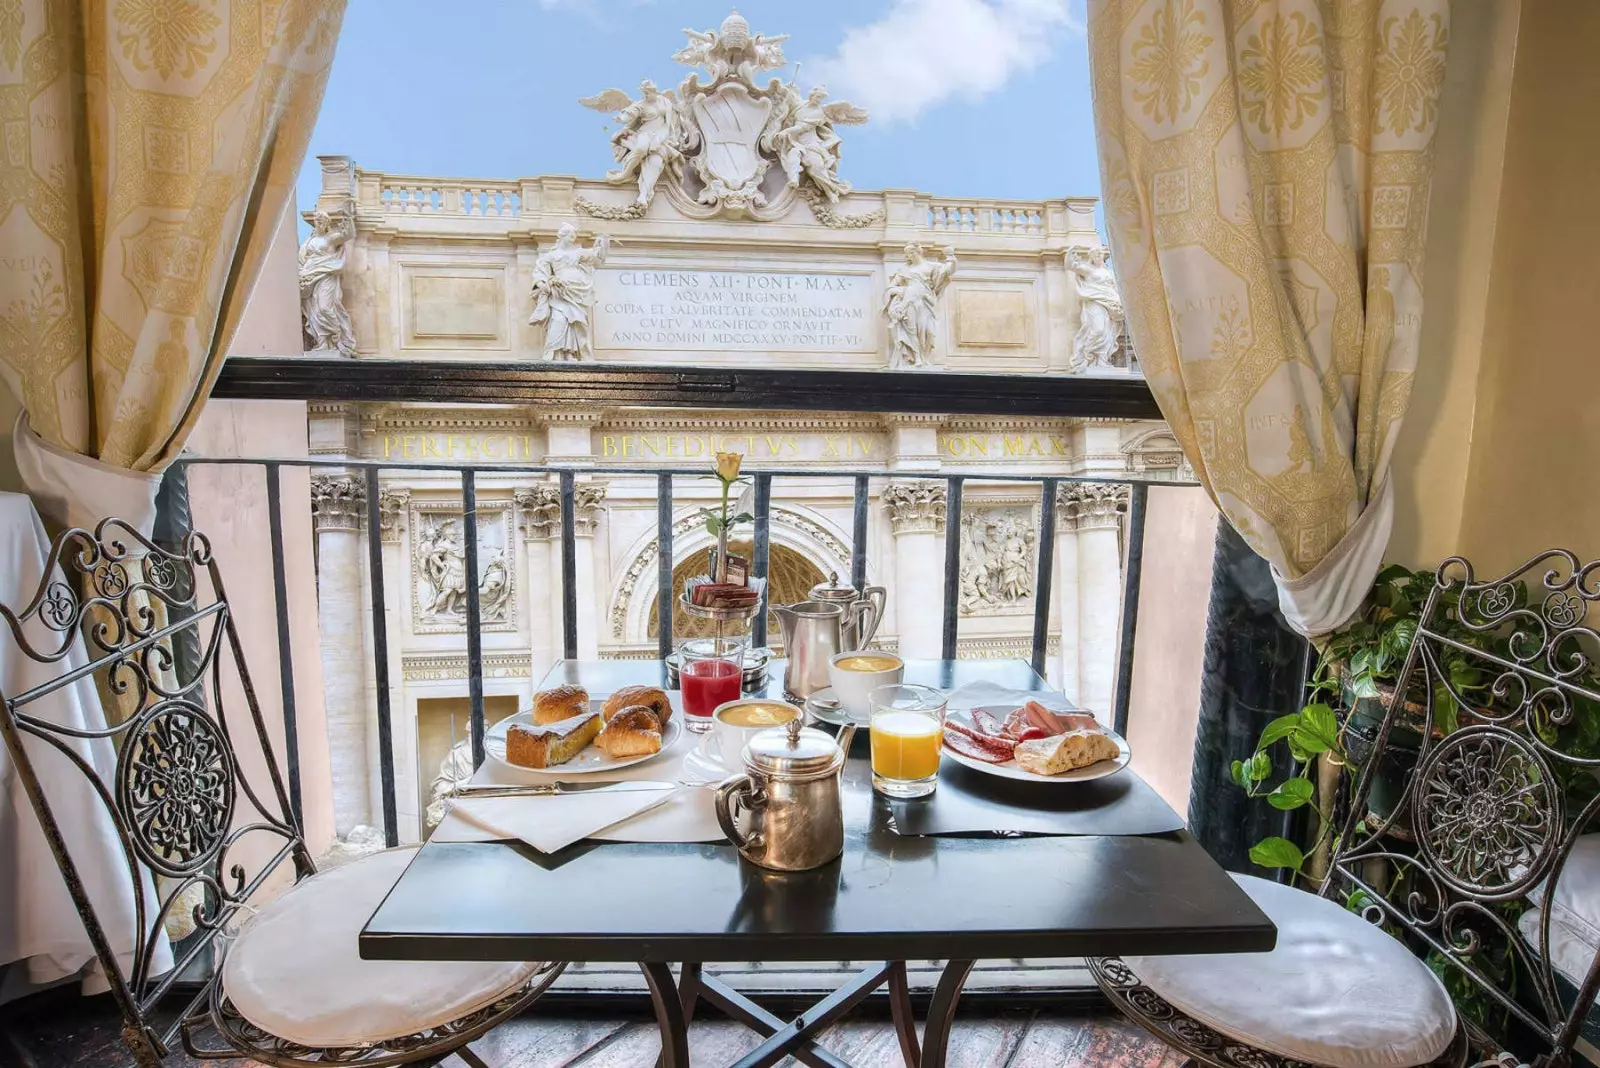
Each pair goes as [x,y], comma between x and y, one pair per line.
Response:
[295,972]
[1570,952]
[1336,991]
[1576,904]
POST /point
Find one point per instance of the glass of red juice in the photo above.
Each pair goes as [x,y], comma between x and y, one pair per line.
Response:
[710,674]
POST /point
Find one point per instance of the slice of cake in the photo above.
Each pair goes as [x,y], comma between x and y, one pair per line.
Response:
[544,745]
[1063,752]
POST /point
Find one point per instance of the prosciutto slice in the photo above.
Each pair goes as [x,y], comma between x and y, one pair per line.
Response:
[967,747]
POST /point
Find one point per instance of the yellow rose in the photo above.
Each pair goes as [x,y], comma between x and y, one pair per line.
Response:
[728,465]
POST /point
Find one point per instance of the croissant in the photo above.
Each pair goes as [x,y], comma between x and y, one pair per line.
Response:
[559,703]
[634,731]
[648,696]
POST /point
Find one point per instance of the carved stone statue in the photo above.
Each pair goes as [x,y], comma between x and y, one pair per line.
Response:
[651,139]
[455,771]
[911,304]
[442,562]
[801,135]
[732,49]
[997,560]
[1099,311]
[563,293]
[327,325]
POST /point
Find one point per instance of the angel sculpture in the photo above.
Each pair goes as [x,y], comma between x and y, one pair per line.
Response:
[800,133]
[651,139]
[732,49]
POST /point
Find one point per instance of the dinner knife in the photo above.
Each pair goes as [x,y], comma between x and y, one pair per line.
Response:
[553,789]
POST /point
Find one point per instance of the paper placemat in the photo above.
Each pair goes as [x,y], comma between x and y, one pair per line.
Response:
[970,802]
[690,815]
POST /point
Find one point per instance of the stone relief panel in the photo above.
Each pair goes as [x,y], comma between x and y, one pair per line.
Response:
[999,557]
[454,306]
[439,568]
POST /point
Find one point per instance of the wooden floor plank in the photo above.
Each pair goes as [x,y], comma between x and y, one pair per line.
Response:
[539,1041]
[1089,1042]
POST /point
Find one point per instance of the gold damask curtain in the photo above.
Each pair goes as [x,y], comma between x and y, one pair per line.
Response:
[150,147]
[1265,167]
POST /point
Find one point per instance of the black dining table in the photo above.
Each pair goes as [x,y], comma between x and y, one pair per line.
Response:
[890,897]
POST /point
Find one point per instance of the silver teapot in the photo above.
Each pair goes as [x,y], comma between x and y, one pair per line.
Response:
[859,623]
[790,791]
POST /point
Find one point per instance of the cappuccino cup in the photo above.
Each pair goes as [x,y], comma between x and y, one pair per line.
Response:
[854,675]
[734,723]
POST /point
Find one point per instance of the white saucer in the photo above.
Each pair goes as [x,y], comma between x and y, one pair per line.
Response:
[703,765]
[834,714]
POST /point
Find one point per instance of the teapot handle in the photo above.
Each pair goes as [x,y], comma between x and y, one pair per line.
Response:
[740,792]
[874,598]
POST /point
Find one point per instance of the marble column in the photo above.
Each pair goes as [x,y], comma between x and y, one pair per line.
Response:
[539,522]
[916,513]
[338,504]
[394,504]
[1065,585]
[588,505]
[1097,509]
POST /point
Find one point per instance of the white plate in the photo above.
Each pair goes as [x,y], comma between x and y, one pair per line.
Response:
[593,759]
[702,765]
[1012,770]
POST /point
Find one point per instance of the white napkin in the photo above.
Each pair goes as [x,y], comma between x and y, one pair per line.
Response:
[984,694]
[554,822]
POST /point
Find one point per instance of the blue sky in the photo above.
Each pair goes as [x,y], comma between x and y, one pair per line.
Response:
[968,97]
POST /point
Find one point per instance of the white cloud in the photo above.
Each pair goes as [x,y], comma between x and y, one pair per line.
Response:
[923,52]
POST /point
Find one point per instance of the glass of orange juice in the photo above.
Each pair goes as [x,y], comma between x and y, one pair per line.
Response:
[907,725]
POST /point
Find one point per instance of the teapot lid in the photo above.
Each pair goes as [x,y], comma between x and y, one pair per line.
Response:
[793,753]
[834,590]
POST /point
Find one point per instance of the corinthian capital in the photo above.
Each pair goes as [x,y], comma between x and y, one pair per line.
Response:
[338,502]
[538,511]
[392,504]
[588,501]
[1091,505]
[915,506]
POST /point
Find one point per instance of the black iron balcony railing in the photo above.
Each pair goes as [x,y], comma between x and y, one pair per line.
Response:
[402,381]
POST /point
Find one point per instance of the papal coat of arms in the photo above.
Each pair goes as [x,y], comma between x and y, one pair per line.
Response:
[727,143]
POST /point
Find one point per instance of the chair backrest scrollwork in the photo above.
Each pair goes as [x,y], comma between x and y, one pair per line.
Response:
[153,626]
[1493,807]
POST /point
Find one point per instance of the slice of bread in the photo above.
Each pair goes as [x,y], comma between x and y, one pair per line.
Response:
[1063,752]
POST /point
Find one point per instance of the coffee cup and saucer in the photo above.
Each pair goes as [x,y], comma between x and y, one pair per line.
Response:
[721,750]
[854,675]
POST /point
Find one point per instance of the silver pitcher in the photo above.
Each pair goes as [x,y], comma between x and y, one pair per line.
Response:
[813,631]
[860,624]
[790,791]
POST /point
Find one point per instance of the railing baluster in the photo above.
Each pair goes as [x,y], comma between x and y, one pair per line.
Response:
[469,534]
[280,592]
[569,568]
[858,535]
[380,662]
[1138,494]
[664,565]
[952,567]
[761,552]
[1047,563]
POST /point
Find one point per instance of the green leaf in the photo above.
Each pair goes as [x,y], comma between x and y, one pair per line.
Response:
[1237,771]
[1394,573]
[1279,728]
[1445,717]
[743,517]
[1260,767]
[1291,794]
[1319,729]
[1277,853]
[1363,686]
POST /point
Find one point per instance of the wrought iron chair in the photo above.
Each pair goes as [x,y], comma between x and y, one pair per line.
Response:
[1487,819]
[192,824]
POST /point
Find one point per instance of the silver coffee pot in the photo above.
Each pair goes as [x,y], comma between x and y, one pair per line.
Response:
[790,792]
[860,624]
[813,631]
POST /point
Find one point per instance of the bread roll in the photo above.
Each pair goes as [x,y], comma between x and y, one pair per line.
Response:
[563,702]
[534,745]
[632,732]
[1063,752]
[648,696]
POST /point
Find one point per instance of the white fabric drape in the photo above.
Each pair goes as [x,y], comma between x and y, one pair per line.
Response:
[1266,166]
